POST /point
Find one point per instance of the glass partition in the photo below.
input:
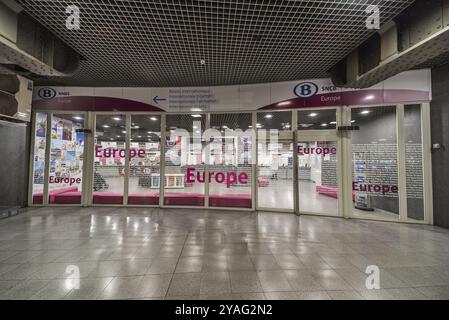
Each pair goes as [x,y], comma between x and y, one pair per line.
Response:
[145,157]
[230,169]
[318,177]
[375,163]
[40,136]
[66,159]
[184,181]
[275,175]
[414,162]
[109,159]
[318,119]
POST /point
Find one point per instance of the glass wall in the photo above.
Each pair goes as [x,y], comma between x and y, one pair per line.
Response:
[414,162]
[318,177]
[145,159]
[275,175]
[230,161]
[40,136]
[185,160]
[218,164]
[375,163]
[275,160]
[66,159]
[109,159]
[320,119]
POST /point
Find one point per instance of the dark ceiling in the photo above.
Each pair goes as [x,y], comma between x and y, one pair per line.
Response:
[161,43]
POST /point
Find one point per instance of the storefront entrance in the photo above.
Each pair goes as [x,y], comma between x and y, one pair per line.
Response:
[360,162]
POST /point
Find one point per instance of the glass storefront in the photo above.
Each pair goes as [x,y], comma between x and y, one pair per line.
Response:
[304,161]
[109,159]
[375,176]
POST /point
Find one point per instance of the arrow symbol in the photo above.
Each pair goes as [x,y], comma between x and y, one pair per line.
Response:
[156,99]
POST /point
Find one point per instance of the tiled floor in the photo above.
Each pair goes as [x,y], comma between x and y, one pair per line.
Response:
[198,254]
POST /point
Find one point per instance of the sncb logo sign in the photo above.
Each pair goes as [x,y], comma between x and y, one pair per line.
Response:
[306,89]
[46,93]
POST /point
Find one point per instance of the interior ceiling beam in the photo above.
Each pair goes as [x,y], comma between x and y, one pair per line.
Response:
[28,48]
[418,35]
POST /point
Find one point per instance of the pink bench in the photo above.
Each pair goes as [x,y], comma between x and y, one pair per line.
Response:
[231,200]
[107,198]
[330,191]
[71,197]
[183,199]
[38,198]
[143,198]
[263,182]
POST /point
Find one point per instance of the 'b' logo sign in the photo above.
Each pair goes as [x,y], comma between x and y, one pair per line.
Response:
[306,89]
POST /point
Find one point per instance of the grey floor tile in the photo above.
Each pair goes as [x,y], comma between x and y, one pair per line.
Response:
[282,295]
[189,264]
[163,265]
[110,268]
[381,294]
[302,280]
[407,294]
[313,295]
[121,288]
[345,295]
[273,281]
[265,262]
[245,282]
[24,290]
[134,267]
[240,263]
[89,289]
[54,290]
[215,283]
[153,286]
[248,296]
[435,292]
[214,263]
[185,284]
[330,280]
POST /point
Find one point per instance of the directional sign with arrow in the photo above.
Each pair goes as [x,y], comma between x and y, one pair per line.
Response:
[156,99]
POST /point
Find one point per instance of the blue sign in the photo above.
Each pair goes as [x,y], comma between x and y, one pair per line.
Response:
[306,89]
[46,93]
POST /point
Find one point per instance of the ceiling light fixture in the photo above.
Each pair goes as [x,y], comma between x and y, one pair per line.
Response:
[313,114]
[196,115]
[269,116]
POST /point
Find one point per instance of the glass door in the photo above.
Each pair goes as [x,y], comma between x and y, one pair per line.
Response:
[275,175]
[319,174]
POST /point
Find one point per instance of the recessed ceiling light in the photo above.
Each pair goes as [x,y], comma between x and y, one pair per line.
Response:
[333,122]
[106,126]
[313,114]
[352,121]
[365,112]
[269,116]
[78,118]
[196,115]
[124,132]
[324,124]
[116,118]
[153,119]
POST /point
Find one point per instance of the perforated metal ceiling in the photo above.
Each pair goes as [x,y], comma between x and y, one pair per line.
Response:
[161,43]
